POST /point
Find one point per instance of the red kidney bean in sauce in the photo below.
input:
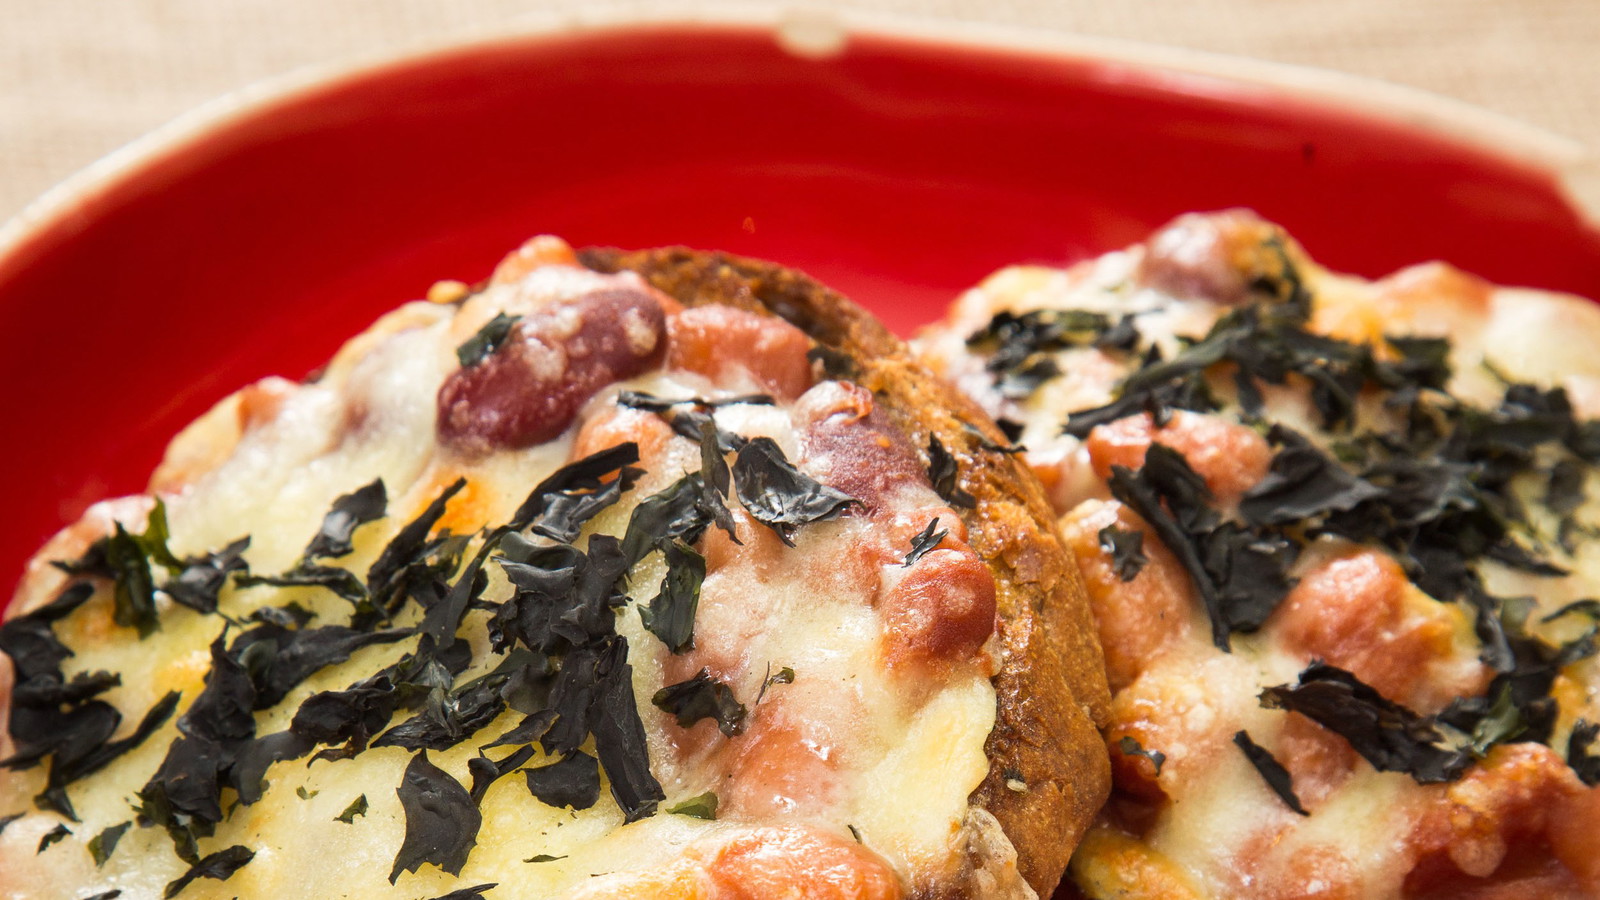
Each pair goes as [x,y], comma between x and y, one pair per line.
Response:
[529,390]
[850,445]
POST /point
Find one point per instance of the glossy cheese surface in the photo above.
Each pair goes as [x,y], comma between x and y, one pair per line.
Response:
[847,775]
[1513,818]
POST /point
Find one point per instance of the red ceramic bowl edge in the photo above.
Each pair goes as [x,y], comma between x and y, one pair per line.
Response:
[1574,168]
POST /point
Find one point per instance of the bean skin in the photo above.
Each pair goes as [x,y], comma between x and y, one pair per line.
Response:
[943,609]
[531,388]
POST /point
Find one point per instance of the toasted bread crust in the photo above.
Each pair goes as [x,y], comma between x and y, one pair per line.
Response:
[1051,687]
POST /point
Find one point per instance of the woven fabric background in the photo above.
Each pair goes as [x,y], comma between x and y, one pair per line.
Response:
[78,78]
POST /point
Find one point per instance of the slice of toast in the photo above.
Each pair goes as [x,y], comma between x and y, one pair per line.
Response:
[656,574]
[1334,532]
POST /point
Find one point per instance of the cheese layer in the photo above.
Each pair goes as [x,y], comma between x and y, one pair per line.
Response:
[1496,661]
[847,773]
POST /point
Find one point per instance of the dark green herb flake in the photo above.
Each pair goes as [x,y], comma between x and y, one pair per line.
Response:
[1129,746]
[702,697]
[924,541]
[784,675]
[780,496]
[945,476]
[441,820]
[1126,549]
[482,345]
[572,782]
[220,866]
[1389,736]
[357,807]
[703,806]
[1272,771]
[52,836]
[102,845]
[469,893]
[670,614]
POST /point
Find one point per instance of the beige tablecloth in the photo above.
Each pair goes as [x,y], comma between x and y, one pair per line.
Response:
[78,78]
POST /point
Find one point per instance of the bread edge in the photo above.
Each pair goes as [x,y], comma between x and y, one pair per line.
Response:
[1048,770]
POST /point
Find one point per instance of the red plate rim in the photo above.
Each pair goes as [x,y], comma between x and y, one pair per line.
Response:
[1181,70]
[70,209]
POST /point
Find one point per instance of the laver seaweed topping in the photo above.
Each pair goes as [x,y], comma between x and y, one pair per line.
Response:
[556,588]
[1339,539]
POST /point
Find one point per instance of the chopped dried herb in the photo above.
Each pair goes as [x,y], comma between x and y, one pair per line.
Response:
[702,697]
[485,771]
[1389,736]
[469,893]
[1501,722]
[349,512]
[945,477]
[155,537]
[441,820]
[559,505]
[135,591]
[294,655]
[219,865]
[409,548]
[836,364]
[784,675]
[1126,549]
[1272,771]
[7,820]
[52,836]
[619,734]
[1123,335]
[564,597]
[357,807]
[1586,607]
[530,729]
[84,747]
[701,806]
[572,782]
[1019,344]
[692,417]
[681,512]
[1241,574]
[991,446]
[202,578]
[670,614]
[105,895]
[482,345]
[780,496]
[342,582]
[288,616]
[1583,762]
[544,858]
[924,541]
[1302,483]
[1130,746]
[453,715]
[442,619]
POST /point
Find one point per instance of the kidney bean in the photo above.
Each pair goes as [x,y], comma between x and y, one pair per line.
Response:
[850,444]
[1209,256]
[530,389]
[943,609]
[715,340]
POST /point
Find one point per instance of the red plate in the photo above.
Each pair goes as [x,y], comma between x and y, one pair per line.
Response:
[253,239]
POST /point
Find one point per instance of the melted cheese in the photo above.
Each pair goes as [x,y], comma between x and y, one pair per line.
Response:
[906,756]
[1222,832]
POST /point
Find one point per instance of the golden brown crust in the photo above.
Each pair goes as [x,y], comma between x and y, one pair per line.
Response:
[1048,771]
